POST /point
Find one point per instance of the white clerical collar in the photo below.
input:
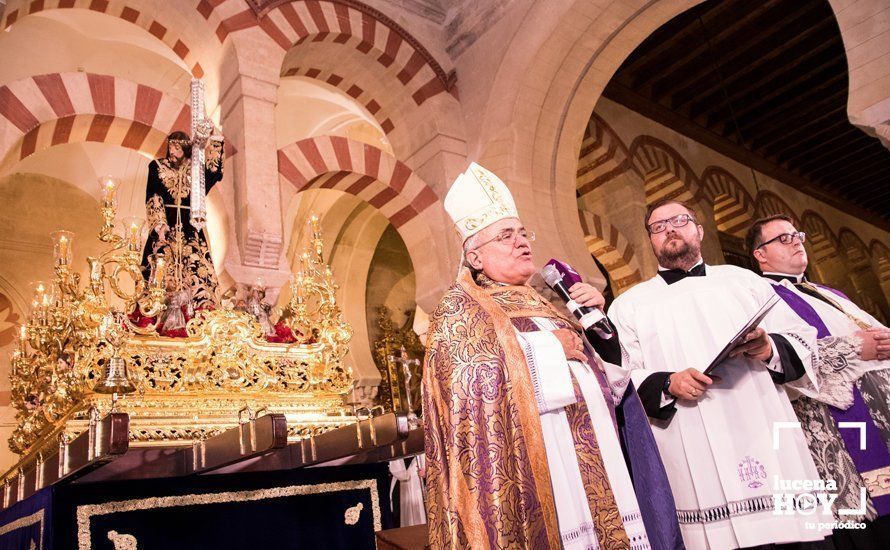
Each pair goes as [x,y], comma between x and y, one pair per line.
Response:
[700,261]
[795,278]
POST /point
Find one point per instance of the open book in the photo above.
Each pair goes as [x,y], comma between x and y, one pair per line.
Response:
[740,335]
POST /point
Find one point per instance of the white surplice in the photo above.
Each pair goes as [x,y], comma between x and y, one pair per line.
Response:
[718,451]
[412,505]
[552,380]
[841,324]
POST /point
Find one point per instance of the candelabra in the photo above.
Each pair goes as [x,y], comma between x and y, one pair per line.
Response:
[71,328]
[312,312]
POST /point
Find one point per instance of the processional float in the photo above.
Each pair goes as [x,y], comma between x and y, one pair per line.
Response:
[101,399]
[90,386]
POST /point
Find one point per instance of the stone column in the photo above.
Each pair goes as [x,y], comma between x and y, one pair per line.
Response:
[248,113]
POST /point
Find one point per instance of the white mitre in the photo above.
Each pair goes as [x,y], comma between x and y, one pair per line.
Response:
[477,199]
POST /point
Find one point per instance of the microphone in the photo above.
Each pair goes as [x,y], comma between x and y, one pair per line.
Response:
[560,276]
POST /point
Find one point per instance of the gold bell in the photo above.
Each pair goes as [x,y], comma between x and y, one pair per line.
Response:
[115,378]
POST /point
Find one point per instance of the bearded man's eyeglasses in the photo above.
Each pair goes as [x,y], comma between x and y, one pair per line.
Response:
[680,220]
[508,237]
[785,238]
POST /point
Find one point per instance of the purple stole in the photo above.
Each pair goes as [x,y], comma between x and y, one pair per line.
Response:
[875,455]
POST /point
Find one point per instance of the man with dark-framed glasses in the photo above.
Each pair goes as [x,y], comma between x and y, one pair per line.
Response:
[715,433]
[853,379]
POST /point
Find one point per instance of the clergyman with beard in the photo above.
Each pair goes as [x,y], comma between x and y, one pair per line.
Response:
[715,434]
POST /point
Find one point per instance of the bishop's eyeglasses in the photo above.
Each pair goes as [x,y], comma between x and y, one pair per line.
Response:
[508,237]
[679,220]
[785,238]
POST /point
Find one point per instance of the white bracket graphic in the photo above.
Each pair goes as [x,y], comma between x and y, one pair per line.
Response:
[860,426]
[782,426]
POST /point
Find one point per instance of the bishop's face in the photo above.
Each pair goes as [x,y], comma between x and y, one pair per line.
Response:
[776,257]
[503,254]
[675,247]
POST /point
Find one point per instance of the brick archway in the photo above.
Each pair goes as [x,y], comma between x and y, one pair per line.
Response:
[170,31]
[333,162]
[865,279]
[52,109]
[733,205]
[880,254]
[665,172]
[768,203]
[349,23]
[603,156]
[611,249]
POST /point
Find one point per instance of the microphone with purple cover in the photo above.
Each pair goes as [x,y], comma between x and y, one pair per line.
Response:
[560,277]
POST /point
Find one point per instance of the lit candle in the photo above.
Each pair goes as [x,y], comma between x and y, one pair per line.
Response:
[105,326]
[23,334]
[260,283]
[108,186]
[160,271]
[62,247]
[133,233]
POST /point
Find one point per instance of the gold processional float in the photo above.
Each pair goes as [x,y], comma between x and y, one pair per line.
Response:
[80,358]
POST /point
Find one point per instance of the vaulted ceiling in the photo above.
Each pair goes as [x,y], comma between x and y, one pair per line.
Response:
[764,83]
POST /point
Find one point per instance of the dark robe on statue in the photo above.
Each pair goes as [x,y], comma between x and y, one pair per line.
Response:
[168,206]
[488,477]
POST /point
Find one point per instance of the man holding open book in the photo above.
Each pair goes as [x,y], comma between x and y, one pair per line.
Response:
[728,439]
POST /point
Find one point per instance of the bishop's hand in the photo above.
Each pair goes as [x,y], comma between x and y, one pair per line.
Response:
[587,295]
[572,344]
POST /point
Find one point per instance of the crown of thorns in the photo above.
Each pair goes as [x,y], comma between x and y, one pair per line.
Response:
[180,142]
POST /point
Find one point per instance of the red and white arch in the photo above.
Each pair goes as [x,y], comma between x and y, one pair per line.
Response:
[880,255]
[733,205]
[52,109]
[665,172]
[611,249]
[378,109]
[349,23]
[768,203]
[821,238]
[603,156]
[169,30]
[333,162]
[855,250]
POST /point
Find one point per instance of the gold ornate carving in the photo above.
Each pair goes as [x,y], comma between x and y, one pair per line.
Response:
[122,541]
[352,514]
[396,348]
[86,512]
[180,389]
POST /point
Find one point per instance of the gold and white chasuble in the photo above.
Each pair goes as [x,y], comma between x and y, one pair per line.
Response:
[522,448]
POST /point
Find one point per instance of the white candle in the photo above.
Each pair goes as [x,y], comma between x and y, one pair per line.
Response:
[160,271]
[63,250]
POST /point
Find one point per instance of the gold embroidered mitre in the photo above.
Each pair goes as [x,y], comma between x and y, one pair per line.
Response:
[477,199]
